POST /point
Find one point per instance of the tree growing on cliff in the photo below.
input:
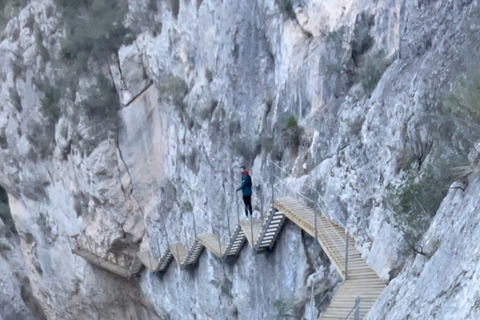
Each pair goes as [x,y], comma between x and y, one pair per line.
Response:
[94,29]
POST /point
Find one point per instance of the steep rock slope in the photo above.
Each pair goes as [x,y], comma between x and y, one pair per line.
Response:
[345,97]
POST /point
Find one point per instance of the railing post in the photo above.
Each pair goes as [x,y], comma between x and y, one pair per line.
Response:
[69,244]
[346,255]
[272,178]
[251,232]
[312,304]
[158,247]
[179,262]
[238,211]
[316,228]
[356,315]
[194,226]
[219,244]
[186,239]
[228,223]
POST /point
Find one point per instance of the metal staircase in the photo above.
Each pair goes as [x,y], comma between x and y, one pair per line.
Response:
[271,227]
[235,242]
[165,260]
[186,257]
[154,265]
[354,298]
[360,281]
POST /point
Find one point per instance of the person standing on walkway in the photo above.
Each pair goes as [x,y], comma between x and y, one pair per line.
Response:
[246,188]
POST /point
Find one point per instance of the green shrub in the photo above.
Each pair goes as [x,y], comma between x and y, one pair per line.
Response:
[416,200]
[286,7]
[42,138]
[291,123]
[234,127]
[291,134]
[18,66]
[285,309]
[243,149]
[463,99]
[175,6]
[102,102]
[43,224]
[266,143]
[209,75]
[50,107]
[5,214]
[192,161]
[94,30]
[362,41]
[371,70]
[40,46]
[3,141]
[187,206]
[174,90]
[207,112]
[15,98]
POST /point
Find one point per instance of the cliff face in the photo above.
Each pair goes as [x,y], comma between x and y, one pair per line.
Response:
[348,97]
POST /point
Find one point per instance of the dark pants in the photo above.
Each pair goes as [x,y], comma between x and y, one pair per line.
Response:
[247,200]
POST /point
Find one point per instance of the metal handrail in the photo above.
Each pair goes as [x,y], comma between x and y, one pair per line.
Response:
[265,225]
[327,234]
[325,231]
[306,198]
[355,310]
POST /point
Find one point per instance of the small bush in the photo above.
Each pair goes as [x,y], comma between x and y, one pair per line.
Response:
[362,41]
[207,112]
[418,198]
[291,134]
[266,143]
[43,224]
[50,103]
[16,100]
[187,206]
[174,90]
[286,8]
[40,46]
[291,123]
[102,102]
[209,75]
[243,149]
[18,67]
[285,309]
[175,5]
[42,138]
[463,99]
[5,214]
[94,30]
[234,127]
[192,161]
[371,71]
[3,141]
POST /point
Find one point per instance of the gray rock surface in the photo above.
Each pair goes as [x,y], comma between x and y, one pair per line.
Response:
[210,85]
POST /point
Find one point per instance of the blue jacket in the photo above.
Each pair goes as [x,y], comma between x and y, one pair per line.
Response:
[246,186]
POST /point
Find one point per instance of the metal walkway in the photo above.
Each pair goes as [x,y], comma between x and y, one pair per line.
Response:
[360,282]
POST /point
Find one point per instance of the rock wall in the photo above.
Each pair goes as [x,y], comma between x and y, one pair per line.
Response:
[16,299]
[338,94]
